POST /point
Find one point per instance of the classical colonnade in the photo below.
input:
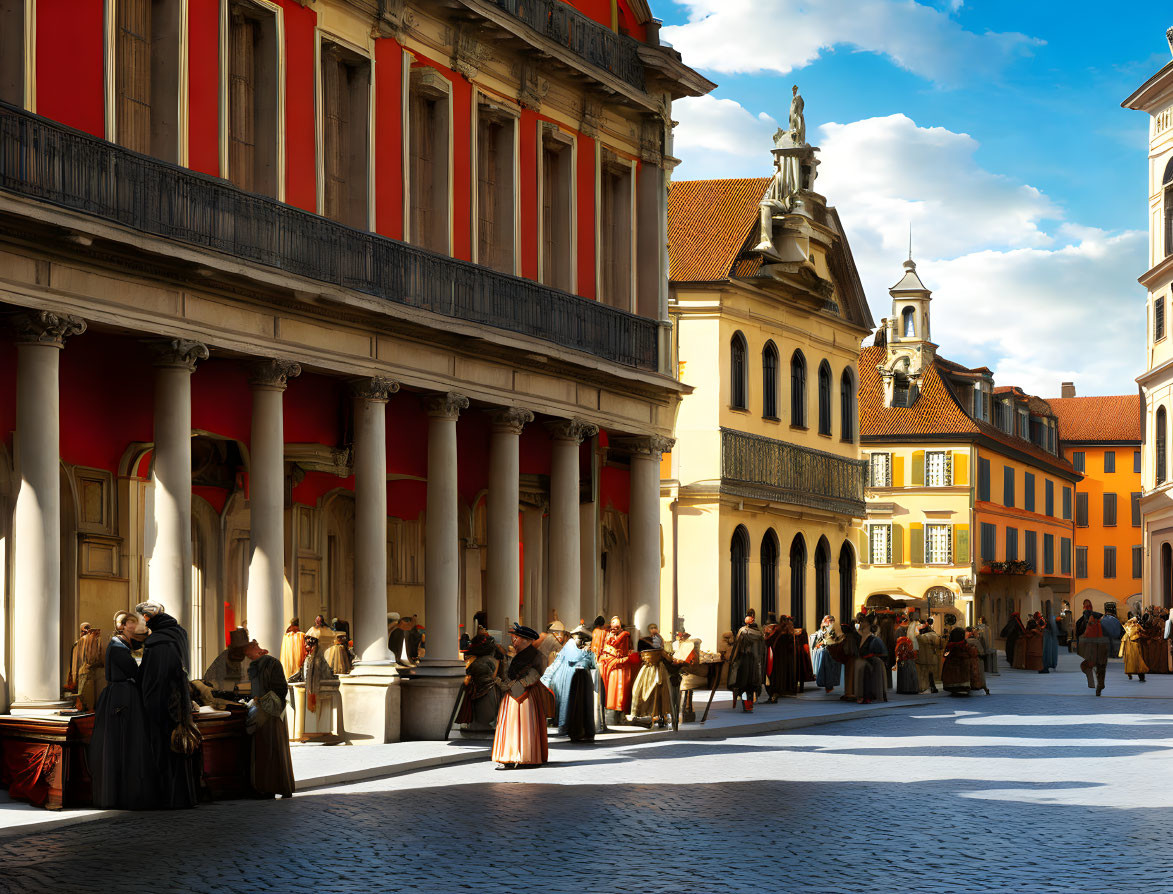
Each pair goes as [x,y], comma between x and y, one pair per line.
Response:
[36,664]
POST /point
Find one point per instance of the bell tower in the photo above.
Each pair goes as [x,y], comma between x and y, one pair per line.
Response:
[910,349]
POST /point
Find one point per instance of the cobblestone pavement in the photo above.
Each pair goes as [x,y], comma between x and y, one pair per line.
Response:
[1025,792]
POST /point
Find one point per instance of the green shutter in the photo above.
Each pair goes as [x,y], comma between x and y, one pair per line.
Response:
[961,544]
[897,544]
[916,533]
[918,468]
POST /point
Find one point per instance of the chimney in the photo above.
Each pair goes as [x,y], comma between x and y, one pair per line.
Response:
[1067,389]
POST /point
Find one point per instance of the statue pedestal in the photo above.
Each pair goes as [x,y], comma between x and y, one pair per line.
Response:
[428,698]
[371,695]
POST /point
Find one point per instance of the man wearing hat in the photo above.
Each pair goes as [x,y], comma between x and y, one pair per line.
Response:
[550,642]
[520,739]
[271,767]
[228,672]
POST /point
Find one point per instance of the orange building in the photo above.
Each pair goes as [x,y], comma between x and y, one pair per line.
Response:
[1100,437]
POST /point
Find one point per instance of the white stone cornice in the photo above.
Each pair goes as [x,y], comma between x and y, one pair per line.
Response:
[43,327]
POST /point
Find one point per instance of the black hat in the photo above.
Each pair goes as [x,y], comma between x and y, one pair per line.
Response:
[524,632]
[771,618]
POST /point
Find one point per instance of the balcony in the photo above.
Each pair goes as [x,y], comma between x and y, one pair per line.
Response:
[598,45]
[51,163]
[766,469]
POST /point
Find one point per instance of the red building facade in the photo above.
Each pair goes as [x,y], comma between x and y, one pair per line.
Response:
[336,308]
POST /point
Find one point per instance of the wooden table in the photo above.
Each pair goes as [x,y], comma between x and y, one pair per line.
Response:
[43,758]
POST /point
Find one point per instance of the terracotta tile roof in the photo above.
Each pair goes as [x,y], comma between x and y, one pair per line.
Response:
[935,412]
[1114,418]
[708,224]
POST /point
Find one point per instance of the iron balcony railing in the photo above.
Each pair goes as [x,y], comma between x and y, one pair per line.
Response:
[597,44]
[763,468]
[46,161]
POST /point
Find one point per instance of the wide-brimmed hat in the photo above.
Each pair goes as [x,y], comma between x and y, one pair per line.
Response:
[524,632]
[557,627]
[580,630]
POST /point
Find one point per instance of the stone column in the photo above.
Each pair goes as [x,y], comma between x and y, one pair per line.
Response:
[170,562]
[503,578]
[265,601]
[565,548]
[36,522]
[428,697]
[535,597]
[644,526]
[370,517]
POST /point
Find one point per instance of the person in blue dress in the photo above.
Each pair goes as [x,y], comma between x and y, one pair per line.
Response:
[569,678]
[827,669]
[1050,642]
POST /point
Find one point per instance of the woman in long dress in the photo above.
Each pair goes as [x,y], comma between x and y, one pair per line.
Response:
[907,680]
[1130,650]
[119,750]
[827,669]
[520,739]
[870,669]
[957,664]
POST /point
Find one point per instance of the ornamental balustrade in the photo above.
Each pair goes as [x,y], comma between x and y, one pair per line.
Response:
[757,467]
[46,161]
[597,44]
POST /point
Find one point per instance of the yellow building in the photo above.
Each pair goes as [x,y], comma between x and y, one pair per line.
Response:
[765,483]
[969,505]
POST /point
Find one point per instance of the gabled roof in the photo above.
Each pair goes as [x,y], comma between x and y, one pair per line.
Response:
[935,412]
[708,222]
[1099,419]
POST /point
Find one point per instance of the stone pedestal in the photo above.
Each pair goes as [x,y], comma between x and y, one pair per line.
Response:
[428,698]
[371,696]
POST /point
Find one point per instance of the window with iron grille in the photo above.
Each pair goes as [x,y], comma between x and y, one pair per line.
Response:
[938,468]
[880,540]
[880,470]
[939,544]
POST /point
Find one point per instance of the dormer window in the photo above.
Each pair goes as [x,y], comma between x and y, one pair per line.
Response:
[901,391]
[908,322]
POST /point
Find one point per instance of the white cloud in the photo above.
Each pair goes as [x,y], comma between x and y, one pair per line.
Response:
[1016,287]
[751,36]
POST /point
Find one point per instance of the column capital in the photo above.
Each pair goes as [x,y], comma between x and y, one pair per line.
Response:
[378,388]
[571,430]
[178,353]
[272,373]
[647,445]
[510,419]
[446,406]
[44,327]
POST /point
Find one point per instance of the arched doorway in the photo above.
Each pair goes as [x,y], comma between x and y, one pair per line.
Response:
[769,564]
[1166,575]
[822,580]
[738,577]
[846,582]
[798,580]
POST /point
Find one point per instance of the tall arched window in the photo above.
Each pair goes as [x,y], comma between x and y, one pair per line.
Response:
[1162,435]
[1166,575]
[738,577]
[798,580]
[824,398]
[769,573]
[908,320]
[1167,182]
[847,405]
[798,389]
[738,374]
[770,381]
[846,582]
[822,579]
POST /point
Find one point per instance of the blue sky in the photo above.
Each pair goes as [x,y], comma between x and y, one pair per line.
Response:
[994,127]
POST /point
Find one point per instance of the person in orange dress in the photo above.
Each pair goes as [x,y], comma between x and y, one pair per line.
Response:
[616,665]
[520,739]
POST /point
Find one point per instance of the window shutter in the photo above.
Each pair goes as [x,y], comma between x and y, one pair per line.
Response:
[897,544]
[897,471]
[916,533]
[961,544]
[918,468]
[960,469]
[865,546]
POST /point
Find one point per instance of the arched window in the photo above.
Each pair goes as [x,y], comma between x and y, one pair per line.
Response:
[798,390]
[908,318]
[1167,182]
[770,381]
[846,581]
[738,386]
[822,579]
[847,405]
[824,398]
[798,580]
[738,577]
[1162,435]
[769,573]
